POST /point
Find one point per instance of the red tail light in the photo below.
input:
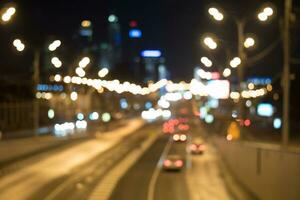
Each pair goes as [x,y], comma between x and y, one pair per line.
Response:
[179,163]
[202,147]
[167,163]
[193,147]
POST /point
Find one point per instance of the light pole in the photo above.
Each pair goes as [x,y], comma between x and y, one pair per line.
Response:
[243,44]
[18,44]
[286,72]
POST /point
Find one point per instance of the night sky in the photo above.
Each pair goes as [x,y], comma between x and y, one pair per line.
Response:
[175,27]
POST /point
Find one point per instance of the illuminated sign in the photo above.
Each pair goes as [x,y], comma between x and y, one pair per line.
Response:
[218,89]
[260,80]
[151,54]
[135,33]
[86,32]
[55,88]
[265,110]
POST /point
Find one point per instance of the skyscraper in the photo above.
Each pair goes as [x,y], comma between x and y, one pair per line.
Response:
[115,40]
[135,36]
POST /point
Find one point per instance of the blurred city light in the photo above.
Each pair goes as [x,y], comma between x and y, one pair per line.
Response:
[74,96]
[94,116]
[235,95]
[103,72]
[163,103]
[51,114]
[218,89]
[123,103]
[187,95]
[106,117]
[112,18]
[213,103]
[86,23]
[206,61]
[251,86]
[210,43]
[80,72]
[56,62]
[135,33]
[265,110]
[248,103]
[19,45]
[62,130]
[247,122]
[54,45]
[268,11]
[148,105]
[216,14]
[84,62]
[57,78]
[269,88]
[265,14]
[235,62]
[227,72]
[209,119]
[81,124]
[249,42]
[153,114]
[8,13]
[277,123]
[80,116]
[151,54]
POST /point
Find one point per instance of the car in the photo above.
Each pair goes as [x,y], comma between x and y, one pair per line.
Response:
[197,146]
[179,137]
[173,163]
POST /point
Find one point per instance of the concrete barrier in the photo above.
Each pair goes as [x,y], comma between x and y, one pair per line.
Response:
[268,171]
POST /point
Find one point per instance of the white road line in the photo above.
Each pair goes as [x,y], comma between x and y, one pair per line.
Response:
[105,188]
[153,180]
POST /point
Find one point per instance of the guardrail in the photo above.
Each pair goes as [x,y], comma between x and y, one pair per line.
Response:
[269,171]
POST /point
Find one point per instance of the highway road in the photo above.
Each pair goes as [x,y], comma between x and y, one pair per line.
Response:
[200,179]
[75,173]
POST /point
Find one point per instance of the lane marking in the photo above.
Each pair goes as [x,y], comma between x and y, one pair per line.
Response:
[106,186]
[155,175]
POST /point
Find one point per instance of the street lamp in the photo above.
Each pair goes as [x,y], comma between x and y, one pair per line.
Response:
[19,45]
[54,45]
[8,14]
[249,42]
[84,62]
[216,14]
[56,62]
[265,14]
[235,62]
[226,72]
[103,72]
[206,61]
[210,43]
[80,72]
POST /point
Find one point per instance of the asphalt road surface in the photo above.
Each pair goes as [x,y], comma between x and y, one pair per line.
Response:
[200,179]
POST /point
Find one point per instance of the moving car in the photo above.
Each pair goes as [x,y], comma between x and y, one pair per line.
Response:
[197,147]
[179,137]
[173,163]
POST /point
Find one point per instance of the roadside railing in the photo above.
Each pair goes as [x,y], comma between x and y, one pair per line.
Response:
[269,171]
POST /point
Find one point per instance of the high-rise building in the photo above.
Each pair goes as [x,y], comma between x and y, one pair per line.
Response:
[135,36]
[154,65]
[115,40]
[105,56]
[86,35]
